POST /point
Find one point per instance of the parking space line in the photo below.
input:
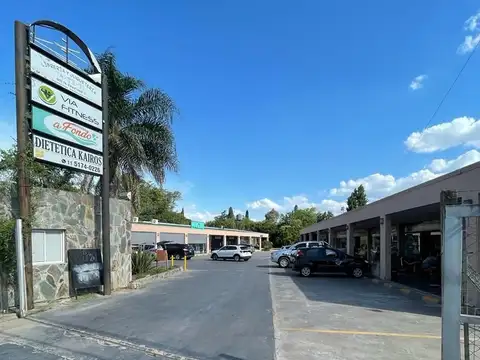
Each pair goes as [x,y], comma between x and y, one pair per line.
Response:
[367,333]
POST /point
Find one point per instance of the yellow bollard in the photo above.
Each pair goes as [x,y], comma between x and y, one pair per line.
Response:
[184,263]
[172,260]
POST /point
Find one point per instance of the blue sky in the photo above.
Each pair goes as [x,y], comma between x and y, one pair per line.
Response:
[286,103]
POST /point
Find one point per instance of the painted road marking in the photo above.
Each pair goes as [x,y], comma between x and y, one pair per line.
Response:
[368,333]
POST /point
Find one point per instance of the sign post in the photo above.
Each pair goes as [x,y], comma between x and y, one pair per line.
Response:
[63,113]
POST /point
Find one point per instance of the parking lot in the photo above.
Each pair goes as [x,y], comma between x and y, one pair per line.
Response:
[337,317]
[221,310]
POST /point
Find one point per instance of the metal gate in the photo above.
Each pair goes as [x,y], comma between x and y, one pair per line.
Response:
[461,280]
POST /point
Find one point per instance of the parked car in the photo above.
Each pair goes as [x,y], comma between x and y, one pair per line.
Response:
[235,252]
[327,260]
[249,247]
[179,251]
[284,257]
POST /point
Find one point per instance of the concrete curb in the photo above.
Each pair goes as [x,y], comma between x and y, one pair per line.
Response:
[412,293]
[140,283]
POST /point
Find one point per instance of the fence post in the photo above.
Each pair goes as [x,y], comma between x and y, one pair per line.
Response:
[22,290]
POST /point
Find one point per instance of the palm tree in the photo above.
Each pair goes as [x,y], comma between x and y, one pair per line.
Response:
[141,139]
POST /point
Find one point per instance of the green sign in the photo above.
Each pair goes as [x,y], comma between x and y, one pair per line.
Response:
[198,225]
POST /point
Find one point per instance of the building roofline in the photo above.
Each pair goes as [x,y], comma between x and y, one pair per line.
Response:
[189,227]
[428,183]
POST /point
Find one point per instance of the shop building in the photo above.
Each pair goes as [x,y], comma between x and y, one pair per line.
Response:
[204,240]
[398,233]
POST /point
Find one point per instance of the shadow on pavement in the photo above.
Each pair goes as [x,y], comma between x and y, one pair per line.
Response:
[269,266]
[344,290]
[35,346]
[138,342]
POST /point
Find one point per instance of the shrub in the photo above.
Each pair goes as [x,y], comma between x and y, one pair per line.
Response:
[8,261]
[142,262]
[266,245]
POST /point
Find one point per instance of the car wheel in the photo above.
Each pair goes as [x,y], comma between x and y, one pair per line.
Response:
[177,257]
[214,257]
[246,259]
[306,271]
[236,258]
[357,273]
[283,262]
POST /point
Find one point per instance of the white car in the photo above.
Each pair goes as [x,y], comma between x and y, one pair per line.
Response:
[235,252]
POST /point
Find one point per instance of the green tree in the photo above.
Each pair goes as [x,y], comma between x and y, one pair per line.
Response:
[141,139]
[357,198]
[272,216]
[231,214]
[293,222]
[247,215]
[157,203]
[324,215]
[41,175]
[295,208]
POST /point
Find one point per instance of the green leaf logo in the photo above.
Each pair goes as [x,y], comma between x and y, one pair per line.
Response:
[47,95]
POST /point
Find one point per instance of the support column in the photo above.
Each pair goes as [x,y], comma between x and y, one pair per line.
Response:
[249,240]
[385,247]
[239,240]
[260,244]
[207,245]
[185,238]
[350,239]
[318,235]
[369,245]
[224,240]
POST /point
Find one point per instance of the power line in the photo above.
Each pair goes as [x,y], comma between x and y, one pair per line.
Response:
[452,86]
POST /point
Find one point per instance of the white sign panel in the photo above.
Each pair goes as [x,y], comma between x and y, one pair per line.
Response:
[68,130]
[53,98]
[65,78]
[65,155]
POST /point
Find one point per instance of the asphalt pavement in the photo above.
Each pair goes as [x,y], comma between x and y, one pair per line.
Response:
[215,311]
[223,310]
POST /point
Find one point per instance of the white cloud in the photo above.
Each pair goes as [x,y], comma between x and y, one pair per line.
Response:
[469,43]
[417,82]
[380,185]
[460,131]
[302,201]
[191,212]
[264,204]
[471,24]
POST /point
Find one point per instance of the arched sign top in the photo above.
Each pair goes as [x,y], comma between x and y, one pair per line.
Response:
[57,26]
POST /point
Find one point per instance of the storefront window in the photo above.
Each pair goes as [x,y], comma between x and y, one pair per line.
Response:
[199,248]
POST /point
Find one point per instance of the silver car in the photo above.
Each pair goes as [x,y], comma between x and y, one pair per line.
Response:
[284,257]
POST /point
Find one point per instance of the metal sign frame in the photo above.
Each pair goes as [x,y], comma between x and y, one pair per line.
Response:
[452,248]
[23,76]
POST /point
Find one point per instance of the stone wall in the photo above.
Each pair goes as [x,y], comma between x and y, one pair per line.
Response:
[79,215]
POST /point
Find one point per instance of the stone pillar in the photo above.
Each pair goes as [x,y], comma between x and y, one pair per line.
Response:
[224,240]
[185,238]
[207,244]
[385,247]
[350,239]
